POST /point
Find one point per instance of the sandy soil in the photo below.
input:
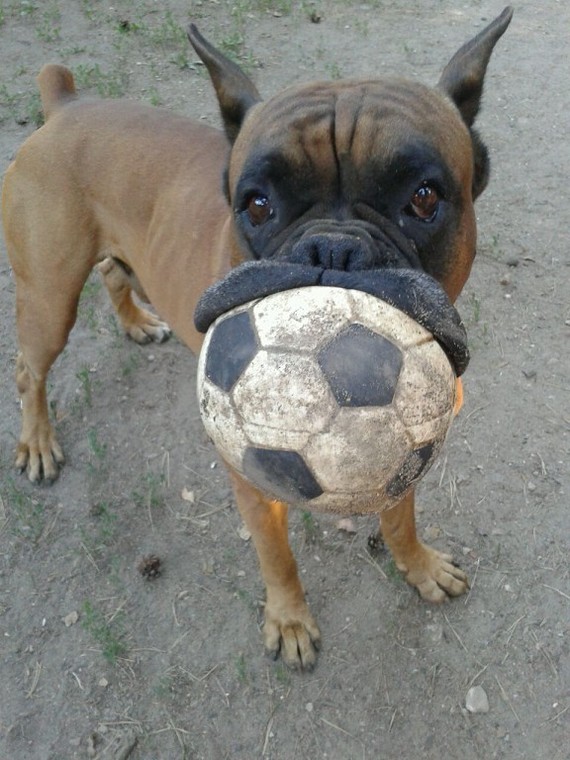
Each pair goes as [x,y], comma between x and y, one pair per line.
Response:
[97,662]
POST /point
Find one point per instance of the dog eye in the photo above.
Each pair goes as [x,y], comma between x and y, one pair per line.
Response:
[424,203]
[259,210]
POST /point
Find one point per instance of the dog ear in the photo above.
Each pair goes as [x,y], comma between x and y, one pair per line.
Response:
[462,78]
[236,92]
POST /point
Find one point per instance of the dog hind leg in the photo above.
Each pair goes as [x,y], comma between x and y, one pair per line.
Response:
[46,308]
[138,323]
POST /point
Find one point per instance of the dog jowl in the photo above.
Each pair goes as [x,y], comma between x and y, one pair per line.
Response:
[363,183]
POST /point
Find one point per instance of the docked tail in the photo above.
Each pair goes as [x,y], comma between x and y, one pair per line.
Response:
[56,88]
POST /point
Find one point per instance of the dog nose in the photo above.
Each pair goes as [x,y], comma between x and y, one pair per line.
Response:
[333,251]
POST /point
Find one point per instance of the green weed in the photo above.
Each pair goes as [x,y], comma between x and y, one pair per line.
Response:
[132,362]
[241,668]
[49,28]
[107,85]
[392,571]
[247,598]
[25,513]
[282,674]
[152,492]
[98,450]
[84,377]
[153,97]
[333,70]
[105,635]
[232,45]
[168,33]
[95,538]
[310,526]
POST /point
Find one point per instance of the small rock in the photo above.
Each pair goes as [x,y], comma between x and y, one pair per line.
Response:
[188,495]
[103,682]
[309,707]
[71,618]
[244,533]
[476,700]
[346,524]
[434,632]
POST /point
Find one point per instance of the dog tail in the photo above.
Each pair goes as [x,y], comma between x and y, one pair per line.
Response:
[56,88]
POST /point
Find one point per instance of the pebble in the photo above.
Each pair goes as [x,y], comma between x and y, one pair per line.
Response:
[432,532]
[476,700]
[244,533]
[434,632]
[71,618]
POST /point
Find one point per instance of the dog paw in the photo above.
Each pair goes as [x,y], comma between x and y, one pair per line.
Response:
[434,574]
[148,328]
[293,634]
[41,458]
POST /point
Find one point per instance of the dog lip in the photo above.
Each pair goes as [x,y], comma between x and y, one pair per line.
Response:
[415,293]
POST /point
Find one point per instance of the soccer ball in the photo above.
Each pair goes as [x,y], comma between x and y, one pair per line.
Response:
[324,397]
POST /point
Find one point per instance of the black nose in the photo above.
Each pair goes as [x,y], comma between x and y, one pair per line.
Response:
[333,250]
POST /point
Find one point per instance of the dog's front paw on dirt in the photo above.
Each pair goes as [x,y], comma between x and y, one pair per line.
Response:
[41,457]
[434,574]
[292,633]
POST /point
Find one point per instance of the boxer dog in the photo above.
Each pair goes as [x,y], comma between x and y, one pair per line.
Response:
[367,184]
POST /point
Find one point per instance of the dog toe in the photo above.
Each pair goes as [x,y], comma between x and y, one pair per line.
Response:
[295,638]
[435,575]
[40,460]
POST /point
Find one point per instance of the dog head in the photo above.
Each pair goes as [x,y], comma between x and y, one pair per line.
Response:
[358,176]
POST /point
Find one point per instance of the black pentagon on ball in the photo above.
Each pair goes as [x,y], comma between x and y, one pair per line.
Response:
[361,367]
[281,473]
[232,346]
[414,466]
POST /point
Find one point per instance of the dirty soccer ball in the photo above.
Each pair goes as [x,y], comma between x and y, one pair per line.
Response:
[325,397]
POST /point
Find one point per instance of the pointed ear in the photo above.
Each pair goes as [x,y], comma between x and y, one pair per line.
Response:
[236,92]
[462,78]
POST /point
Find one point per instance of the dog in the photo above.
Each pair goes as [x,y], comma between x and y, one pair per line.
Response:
[358,179]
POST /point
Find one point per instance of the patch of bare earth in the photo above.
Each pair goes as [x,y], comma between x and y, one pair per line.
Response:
[101,656]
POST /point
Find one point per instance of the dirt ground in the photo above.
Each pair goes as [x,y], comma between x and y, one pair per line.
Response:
[95,661]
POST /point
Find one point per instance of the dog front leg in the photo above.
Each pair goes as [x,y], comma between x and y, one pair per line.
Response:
[433,573]
[289,627]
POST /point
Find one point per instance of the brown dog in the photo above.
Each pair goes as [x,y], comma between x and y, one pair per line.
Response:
[355,176]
